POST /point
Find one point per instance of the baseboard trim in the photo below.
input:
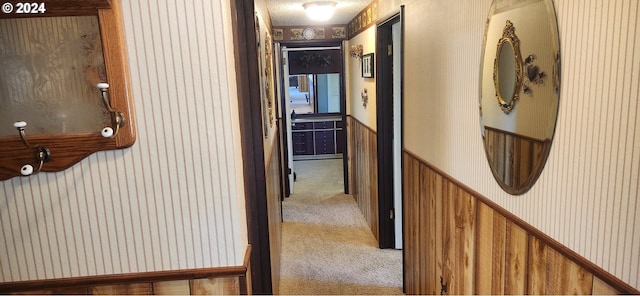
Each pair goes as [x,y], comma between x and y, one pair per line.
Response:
[129,278]
[583,262]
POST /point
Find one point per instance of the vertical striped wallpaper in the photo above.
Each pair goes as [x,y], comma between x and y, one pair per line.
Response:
[587,195]
[174,200]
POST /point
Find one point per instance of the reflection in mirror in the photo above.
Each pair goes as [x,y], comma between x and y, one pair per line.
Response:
[49,68]
[315,93]
[506,72]
[507,69]
[518,140]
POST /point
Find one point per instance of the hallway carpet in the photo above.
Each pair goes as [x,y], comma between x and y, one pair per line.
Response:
[327,247]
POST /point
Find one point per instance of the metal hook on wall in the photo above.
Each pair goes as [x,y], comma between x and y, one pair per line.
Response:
[43,155]
[117,117]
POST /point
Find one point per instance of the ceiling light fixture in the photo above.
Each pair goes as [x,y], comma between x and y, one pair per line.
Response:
[320,10]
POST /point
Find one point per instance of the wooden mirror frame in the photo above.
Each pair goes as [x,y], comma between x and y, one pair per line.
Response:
[69,148]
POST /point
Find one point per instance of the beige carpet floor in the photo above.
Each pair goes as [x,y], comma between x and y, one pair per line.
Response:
[327,247]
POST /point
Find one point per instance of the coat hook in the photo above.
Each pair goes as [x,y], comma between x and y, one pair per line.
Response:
[116,116]
[42,156]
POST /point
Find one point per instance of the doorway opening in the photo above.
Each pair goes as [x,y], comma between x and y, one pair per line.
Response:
[313,106]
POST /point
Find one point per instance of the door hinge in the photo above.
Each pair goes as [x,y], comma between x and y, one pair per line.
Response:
[288,171]
[284,61]
[392,214]
[390,50]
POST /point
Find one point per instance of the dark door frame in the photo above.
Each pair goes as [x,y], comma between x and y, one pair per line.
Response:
[244,38]
[343,111]
[385,124]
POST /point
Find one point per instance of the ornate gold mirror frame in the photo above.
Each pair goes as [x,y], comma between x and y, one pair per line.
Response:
[508,38]
[57,152]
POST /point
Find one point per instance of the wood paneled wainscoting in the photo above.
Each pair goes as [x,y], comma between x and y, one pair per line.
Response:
[460,242]
[274,211]
[232,280]
[363,170]
[503,147]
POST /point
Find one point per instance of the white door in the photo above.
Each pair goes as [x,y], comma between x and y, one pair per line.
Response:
[287,118]
[397,134]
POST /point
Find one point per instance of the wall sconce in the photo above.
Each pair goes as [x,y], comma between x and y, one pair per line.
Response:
[42,156]
[356,51]
[320,10]
[116,116]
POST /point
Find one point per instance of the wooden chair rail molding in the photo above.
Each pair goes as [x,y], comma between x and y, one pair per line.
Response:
[68,149]
[68,285]
[539,267]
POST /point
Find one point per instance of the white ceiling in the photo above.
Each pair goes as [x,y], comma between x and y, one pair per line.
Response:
[291,13]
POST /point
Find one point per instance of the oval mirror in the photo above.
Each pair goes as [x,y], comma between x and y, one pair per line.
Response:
[520,82]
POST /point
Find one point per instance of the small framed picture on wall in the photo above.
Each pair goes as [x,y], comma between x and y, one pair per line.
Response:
[367,65]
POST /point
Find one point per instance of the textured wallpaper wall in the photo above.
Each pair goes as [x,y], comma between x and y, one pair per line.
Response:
[175,199]
[356,84]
